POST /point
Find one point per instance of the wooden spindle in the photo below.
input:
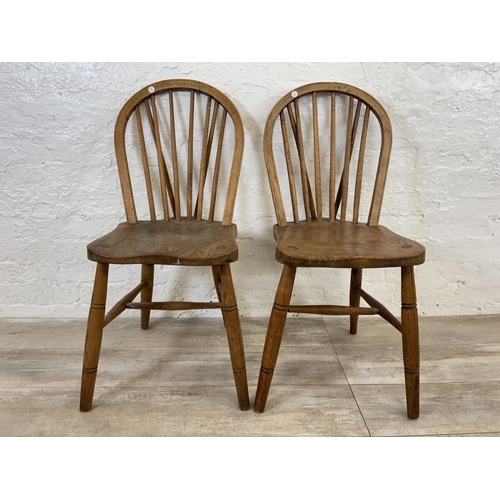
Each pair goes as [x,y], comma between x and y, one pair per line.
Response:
[152,122]
[293,123]
[302,164]
[218,158]
[190,158]
[145,165]
[201,184]
[289,166]
[161,163]
[359,172]
[342,193]
[355,125]
[211,134]
[347,161]
[333,154]
[317,160]
[175,165]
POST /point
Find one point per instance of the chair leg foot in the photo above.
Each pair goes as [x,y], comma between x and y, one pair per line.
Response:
[411,347]
[274,335]
[354,298]
[263,386]
[93,339]
[87,390]
[235,339]
[412,383]
[147,275]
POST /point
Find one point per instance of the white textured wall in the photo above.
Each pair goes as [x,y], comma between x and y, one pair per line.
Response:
[59,186]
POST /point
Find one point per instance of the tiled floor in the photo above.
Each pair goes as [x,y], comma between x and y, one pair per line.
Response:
[175,379]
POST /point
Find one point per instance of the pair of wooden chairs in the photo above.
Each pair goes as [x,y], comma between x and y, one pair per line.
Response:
[186,138]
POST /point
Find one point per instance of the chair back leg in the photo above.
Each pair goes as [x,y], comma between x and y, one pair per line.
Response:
[93,338]
[354,298]
[274,335]
[411,350]
[147,275]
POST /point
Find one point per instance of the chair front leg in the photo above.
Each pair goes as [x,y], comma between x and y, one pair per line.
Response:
[233,328]
[411,348]
[147,275]
[93,339]
[354,297]
[274,335]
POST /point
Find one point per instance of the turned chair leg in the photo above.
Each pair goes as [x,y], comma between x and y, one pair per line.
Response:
[354,297]
[274,335]
[411,349]
[93,338]
[235,339]
[217,283]
[147,275]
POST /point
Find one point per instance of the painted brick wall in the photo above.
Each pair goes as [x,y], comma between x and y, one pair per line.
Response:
[59,186]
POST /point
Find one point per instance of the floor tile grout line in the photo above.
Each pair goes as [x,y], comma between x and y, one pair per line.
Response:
[345,376]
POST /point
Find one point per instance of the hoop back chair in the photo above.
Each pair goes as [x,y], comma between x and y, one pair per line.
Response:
[319,143]
[185,139]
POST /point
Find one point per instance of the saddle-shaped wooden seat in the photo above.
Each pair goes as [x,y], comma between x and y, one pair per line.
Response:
[344,244]
[186,243]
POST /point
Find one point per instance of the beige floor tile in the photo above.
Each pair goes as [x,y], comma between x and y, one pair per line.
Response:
[445,409]
[307,366]
[195,411]
[451,363]
[38,334]
[131,367]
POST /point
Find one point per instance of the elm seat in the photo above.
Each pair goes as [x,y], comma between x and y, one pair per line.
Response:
[327,147]
[186,243]
[179,149]
[344,244]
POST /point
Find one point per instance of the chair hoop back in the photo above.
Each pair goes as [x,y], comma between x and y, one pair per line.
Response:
[187,140]
[322,130]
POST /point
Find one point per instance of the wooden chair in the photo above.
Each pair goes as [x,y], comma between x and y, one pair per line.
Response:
[319,142]
[186,140]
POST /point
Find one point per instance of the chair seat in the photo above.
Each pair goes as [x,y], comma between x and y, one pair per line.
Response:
[186,243]
[344,245]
